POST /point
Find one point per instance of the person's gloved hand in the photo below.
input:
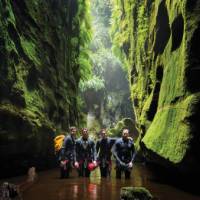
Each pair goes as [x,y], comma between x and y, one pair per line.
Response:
[63,163]
[130,138]
[76,165]
[130,165]
[95,163]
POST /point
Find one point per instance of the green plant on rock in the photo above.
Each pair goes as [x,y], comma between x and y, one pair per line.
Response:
[95,83]
[84,38]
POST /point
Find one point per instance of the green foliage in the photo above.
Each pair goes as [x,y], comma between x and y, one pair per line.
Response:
[84,62]
[30,50]
[94,128]
[101,37]
[104,61]
[99,55]
[84,21]
[102,10]
[124,123]
[106,89]
[95,83]
[121,29]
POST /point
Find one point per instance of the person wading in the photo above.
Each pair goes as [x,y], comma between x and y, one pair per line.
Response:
[103,148]
[124,153]
[68,153]
[85,154]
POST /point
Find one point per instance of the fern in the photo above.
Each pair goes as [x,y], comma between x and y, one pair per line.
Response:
[84,39]
[95,83]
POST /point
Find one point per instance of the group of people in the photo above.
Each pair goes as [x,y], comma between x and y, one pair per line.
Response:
[85,155]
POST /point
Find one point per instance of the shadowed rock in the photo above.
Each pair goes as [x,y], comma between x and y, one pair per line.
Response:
[39,78]
[135,193]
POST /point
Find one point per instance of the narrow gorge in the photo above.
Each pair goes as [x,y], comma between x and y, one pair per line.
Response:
[110,64]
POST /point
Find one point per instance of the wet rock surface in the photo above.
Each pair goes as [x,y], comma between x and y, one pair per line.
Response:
[38,80]
[163,62]
[135,193]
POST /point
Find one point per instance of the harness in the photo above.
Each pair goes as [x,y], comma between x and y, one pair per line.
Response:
[84,151]
[125,152]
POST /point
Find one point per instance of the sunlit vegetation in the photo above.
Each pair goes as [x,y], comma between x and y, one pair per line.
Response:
[83,18]
[106,91]
[159,67]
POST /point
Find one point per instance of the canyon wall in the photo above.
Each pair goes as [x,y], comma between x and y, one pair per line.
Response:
[159,42]
[39,76]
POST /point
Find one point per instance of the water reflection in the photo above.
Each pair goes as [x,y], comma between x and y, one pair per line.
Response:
[75,191]
[91,188]
[139,179]
[84,189]
[50,187]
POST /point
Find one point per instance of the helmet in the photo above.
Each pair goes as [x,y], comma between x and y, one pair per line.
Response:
[91,166]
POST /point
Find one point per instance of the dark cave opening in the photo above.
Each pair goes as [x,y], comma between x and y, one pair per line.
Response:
[193,70]
[32,78]
[154,103]
[177,32]
[162,29]
[133,75]
[191,4]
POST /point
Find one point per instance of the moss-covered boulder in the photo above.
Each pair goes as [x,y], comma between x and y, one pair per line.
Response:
[159,41]
[135,193]
[116,131]
[39,76]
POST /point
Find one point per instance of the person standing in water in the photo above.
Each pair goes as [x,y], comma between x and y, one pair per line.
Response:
[68,153]
[124,153]
[104,153]
[85,154]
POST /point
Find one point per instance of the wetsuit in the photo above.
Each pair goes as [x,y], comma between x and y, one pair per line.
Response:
[124,152]
[85,153]
[103,148]
[68,155]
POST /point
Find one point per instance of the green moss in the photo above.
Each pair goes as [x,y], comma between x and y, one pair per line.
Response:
[83,20]
[169,132]
[94,128]
[42,48]
[158,74]
[124,123]
[29,48]
[132,193]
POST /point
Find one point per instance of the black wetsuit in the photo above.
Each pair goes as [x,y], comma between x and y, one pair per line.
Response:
[68,154]
[85,153]
[124,153]
[103,148]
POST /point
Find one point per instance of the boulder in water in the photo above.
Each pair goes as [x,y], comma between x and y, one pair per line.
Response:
[135,193]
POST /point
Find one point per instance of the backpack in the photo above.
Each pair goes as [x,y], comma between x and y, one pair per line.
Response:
[58,141]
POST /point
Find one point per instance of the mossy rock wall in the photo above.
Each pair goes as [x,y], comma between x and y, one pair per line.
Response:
[128,123]
[159,41]
[39,77]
